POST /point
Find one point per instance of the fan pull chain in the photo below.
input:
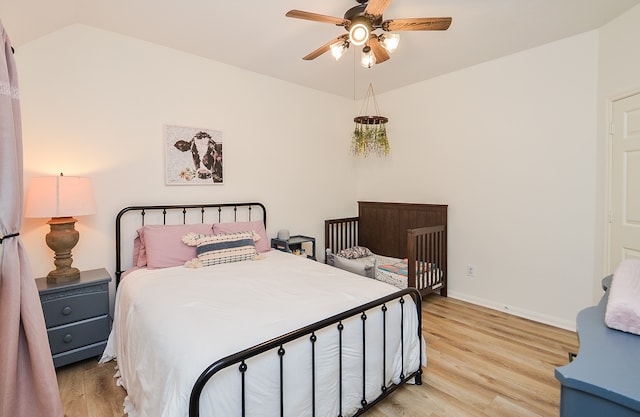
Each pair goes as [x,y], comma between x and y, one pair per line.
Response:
[354,74]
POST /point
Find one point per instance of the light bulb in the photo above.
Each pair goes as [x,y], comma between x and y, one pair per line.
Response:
[368,59]
[390,41]
[338,49]
[359,33]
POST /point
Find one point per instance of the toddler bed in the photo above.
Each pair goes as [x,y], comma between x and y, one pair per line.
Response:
[387,269]
[402,244]
[265,334]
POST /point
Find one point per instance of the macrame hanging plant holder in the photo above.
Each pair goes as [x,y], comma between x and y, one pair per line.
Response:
[370,133]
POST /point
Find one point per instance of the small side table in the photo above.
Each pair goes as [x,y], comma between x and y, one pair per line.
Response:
[296,244]
[76,314]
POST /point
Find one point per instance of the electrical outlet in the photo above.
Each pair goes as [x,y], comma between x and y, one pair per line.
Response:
[471,271]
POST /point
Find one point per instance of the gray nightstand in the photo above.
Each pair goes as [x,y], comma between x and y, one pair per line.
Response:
[77,316]
[295,245]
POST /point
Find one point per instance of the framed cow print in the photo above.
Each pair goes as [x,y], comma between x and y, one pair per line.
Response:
[193,156]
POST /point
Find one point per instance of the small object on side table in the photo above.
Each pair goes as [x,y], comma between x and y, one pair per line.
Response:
[76,315]
[298,245]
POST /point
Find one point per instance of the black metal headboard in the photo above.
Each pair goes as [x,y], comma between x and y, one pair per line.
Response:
[134,217]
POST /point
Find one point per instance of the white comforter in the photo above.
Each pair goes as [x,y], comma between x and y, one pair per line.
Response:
[170,324]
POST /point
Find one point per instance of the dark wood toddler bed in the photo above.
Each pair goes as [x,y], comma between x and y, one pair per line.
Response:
[390,352]
[416,232]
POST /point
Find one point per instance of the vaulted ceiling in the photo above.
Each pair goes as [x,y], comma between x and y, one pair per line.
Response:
[256,35]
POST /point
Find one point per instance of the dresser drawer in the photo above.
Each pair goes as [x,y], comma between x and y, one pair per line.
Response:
[75,307]
[78,334]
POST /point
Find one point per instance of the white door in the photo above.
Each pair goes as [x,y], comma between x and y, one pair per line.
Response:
[625,181]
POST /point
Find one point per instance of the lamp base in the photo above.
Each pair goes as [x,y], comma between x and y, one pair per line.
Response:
[63,275]
[61,239]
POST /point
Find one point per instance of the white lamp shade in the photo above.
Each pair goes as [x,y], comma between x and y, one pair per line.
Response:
[390,42]
[59,197]
[338,49]
[368,59]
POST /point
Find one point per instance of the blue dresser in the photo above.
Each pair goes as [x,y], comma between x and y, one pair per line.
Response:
[604,379]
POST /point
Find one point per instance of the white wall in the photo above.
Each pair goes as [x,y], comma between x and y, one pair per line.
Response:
[516,147]
[94,104]
[618,76]
[510,146]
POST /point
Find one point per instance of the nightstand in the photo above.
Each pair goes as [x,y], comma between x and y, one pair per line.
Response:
[76,314]
[300,245]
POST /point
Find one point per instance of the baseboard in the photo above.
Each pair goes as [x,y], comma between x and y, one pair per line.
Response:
[531,315]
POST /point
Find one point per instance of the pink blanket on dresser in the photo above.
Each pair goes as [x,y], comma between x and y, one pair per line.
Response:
[623,306]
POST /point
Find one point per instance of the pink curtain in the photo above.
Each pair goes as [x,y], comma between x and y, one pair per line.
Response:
[28,386]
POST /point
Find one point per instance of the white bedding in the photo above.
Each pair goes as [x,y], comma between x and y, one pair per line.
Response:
[171,323]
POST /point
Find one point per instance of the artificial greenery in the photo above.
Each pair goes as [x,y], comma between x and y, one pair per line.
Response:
[370,138]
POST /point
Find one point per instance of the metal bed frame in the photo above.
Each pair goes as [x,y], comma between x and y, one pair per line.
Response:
[278,345]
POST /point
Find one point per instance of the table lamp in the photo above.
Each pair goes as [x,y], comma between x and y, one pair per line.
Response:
[61,198]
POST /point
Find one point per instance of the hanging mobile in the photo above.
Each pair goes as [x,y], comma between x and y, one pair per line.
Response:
[370,133]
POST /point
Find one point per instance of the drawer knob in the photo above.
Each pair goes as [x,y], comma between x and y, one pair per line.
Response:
[66,311]
[67,338]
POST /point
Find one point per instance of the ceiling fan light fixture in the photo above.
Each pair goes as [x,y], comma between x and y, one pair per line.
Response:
[389,41]
[338,49]
[368,59]
[358,33]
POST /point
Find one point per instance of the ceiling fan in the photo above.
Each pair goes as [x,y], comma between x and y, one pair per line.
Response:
[360,22]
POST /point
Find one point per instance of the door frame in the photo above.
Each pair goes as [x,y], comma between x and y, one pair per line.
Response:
[608,174]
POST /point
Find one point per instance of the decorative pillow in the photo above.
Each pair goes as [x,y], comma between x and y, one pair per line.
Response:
[161,246]
[221,248]
[355,252]
[262,245]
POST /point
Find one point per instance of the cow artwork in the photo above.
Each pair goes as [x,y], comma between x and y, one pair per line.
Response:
[204,151]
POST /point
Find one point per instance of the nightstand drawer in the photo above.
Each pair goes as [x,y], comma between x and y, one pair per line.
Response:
[75,335]
[75,307]
[75,355]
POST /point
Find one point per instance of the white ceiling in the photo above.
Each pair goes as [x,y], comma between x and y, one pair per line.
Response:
[256,35]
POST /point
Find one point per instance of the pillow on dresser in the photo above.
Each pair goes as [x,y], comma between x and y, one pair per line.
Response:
[161,246]
[221,248]
[262,245]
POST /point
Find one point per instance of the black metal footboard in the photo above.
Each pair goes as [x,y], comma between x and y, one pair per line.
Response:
[279,347]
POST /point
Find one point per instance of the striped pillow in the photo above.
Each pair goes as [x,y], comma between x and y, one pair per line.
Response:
[222,248]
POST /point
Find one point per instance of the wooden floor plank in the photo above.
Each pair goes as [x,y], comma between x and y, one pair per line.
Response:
[481,363]
[72,390]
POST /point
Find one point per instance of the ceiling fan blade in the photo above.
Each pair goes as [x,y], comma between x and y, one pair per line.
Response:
[324,48]
[379,52]
[315,17]
[418,23]
[377,7]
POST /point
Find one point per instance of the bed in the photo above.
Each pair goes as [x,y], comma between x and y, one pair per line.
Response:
[403,244]
[270,335]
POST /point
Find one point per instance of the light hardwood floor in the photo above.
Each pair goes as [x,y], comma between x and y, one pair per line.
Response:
[481,363]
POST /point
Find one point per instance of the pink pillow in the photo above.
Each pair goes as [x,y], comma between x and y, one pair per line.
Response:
[162,246]
[139,256]
[262,245]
